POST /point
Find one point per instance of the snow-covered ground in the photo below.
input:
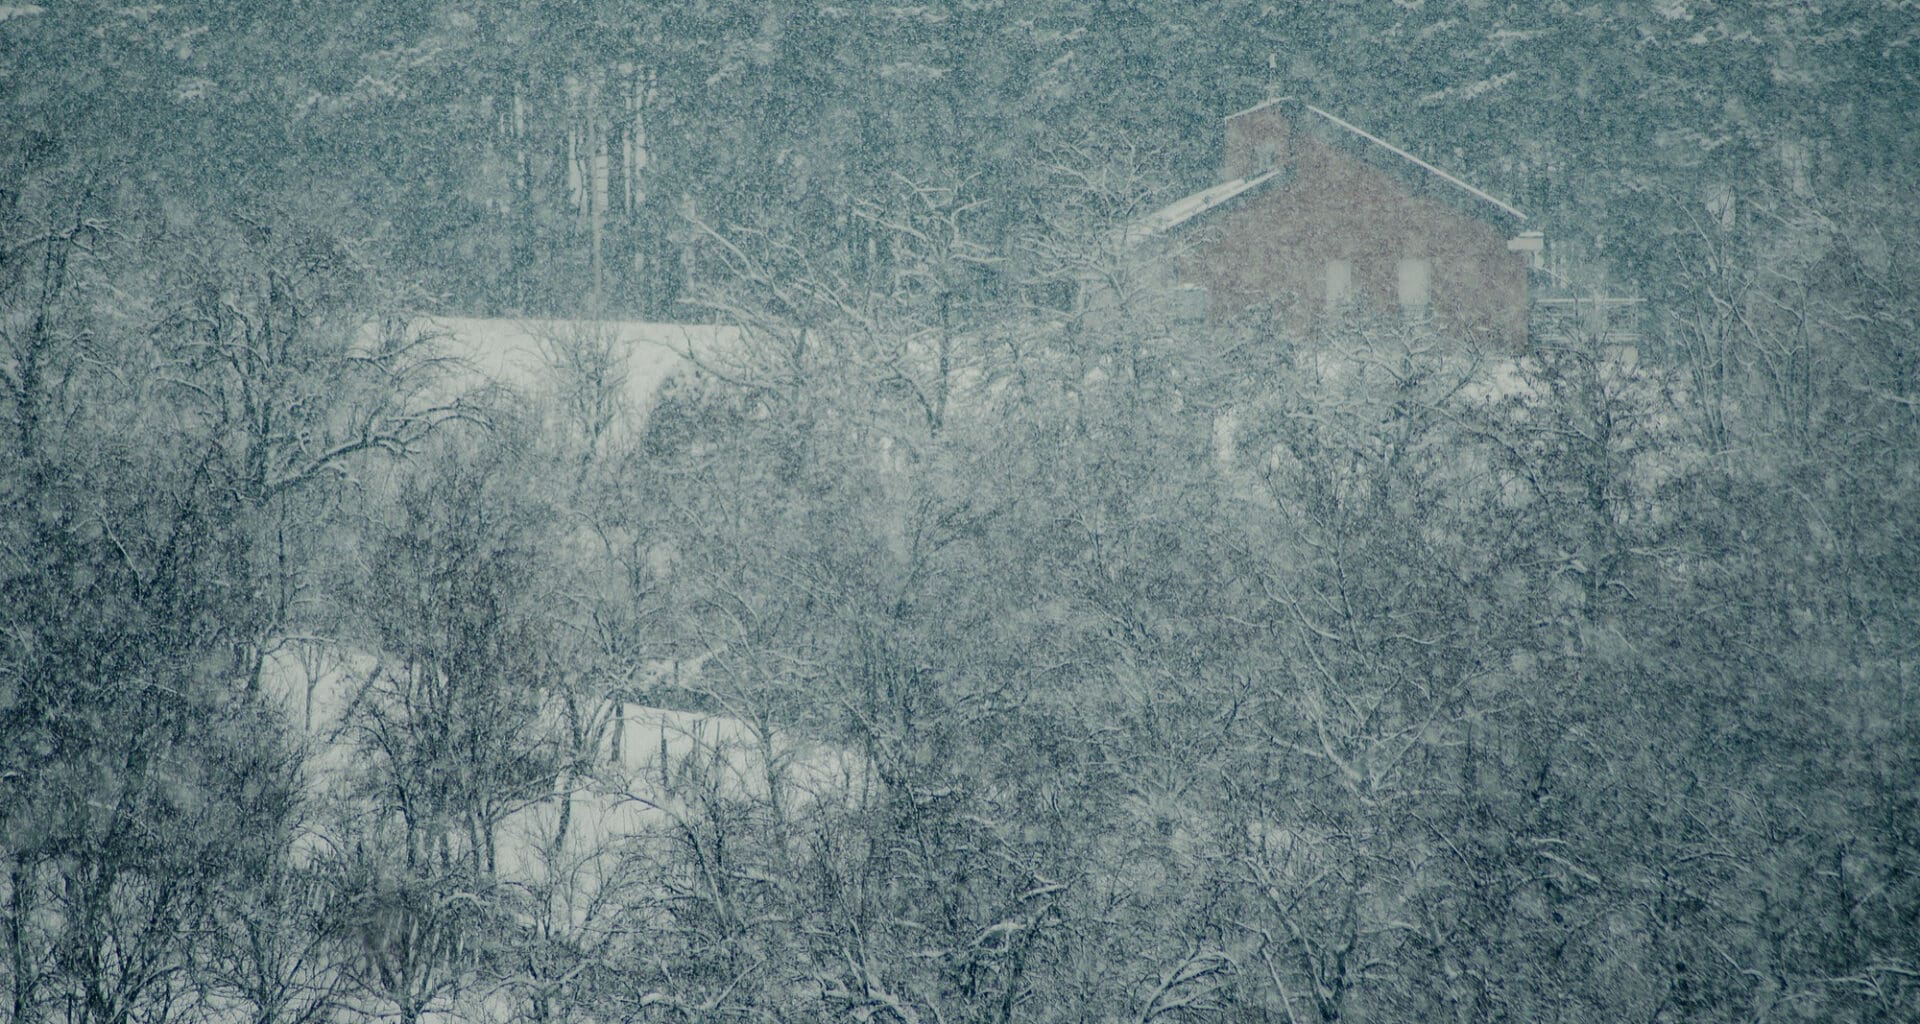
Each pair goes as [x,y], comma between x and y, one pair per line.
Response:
[637,747]
[571,856]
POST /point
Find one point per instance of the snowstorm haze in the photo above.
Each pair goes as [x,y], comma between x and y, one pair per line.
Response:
[1017,511]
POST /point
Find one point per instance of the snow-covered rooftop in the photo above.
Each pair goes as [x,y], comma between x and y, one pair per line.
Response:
[1416,161]
[523,352]
[1182,210]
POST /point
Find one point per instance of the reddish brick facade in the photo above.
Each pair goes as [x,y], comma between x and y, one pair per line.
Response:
[1340,197]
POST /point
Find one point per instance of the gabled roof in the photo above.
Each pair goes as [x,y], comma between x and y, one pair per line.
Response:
[1185,209]
[1402,154]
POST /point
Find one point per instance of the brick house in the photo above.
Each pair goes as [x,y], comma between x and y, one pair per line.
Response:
[1316,218]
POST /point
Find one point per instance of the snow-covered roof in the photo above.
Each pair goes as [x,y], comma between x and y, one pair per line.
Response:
[1182,210]
[1185,209]
[521,352]
[1416,161]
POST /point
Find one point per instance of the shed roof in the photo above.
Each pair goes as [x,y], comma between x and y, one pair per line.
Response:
[1185,209]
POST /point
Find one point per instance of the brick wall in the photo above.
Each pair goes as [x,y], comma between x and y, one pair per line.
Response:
[1268,252]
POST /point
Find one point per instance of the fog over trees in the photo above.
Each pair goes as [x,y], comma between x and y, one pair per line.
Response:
[699,512]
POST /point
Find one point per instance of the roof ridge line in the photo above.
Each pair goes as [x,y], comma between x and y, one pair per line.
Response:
[1403,154]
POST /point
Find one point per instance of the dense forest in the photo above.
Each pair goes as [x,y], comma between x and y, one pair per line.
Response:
[1046,665]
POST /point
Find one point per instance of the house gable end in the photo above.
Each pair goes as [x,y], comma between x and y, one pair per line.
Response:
[1342,224]
[1270,134]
